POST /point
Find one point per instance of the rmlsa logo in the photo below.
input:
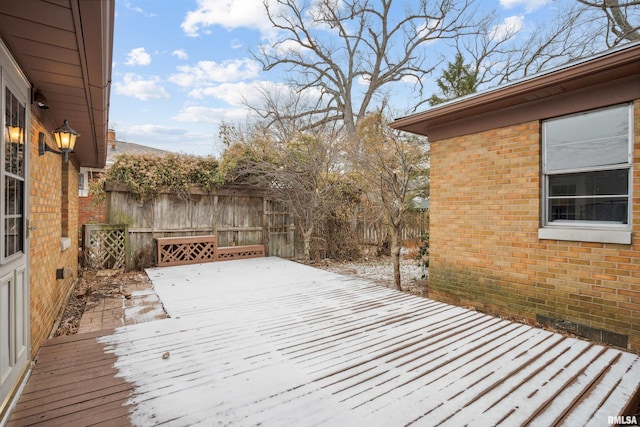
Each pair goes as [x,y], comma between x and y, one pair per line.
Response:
[621,420]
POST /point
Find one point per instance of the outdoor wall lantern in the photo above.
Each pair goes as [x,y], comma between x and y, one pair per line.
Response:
[65,140]
[15,134]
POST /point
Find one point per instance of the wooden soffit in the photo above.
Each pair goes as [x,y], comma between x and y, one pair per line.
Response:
[65,49]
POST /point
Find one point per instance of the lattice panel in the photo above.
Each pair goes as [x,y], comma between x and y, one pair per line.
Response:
[186,250]
[196,249]
[106,247]
[237,252]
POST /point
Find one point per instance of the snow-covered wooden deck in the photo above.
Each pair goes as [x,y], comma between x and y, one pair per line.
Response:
[271,342]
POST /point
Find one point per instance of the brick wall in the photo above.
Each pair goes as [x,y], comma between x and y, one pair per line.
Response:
[46,255]
[91,212]
[484,246]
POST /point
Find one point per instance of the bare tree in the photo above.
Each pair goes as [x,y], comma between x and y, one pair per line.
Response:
[395,166]
[348,52]
[501,54]
[300,172]
[346,56]
[622,19]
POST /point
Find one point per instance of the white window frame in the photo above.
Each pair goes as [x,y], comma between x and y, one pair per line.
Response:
[587,231]
[83,182]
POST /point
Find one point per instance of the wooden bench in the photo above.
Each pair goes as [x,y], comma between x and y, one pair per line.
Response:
[196,249]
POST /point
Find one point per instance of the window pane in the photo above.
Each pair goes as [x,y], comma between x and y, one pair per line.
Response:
[15,118]
[596,138]
[14,171]
[13,196]
[610,209]
[13,238]
[601,183]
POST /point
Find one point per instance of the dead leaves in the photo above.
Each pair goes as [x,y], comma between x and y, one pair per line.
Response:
[90,289]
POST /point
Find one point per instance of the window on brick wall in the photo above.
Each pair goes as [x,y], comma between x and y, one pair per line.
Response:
[587,178]
[83,183]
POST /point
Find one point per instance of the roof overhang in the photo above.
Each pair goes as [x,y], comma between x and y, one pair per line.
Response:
[609,78]
[65,49]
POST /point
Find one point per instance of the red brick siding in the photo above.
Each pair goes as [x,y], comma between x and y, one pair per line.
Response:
[484,246]
[91,213]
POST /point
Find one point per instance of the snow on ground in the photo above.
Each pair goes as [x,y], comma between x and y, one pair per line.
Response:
[380,270]
[266,341]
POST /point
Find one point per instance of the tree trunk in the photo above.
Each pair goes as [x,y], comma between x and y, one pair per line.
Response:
[620,26]
[395,256]
[306,243]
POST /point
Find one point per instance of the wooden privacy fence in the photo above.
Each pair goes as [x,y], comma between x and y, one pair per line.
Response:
[374,233]
[236,216]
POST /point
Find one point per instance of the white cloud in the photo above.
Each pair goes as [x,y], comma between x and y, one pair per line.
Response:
[137,9]
[284,48]
[410,79]
[150,130]
[508,28]
[241,93]
[140,87]
[138,56]
[180,53]
[199,114]
[529,5]
[170,138]
[231,93]
[228,14]
[364,80]
[206,73]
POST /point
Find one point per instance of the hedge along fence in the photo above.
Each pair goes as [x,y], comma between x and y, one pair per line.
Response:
[237,216]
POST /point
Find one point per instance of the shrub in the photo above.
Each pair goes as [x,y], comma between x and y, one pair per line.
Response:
[146,176]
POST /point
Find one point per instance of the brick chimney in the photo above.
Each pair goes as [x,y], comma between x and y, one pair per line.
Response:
[111,139]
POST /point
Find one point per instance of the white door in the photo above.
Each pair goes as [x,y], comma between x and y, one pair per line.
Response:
[14,283]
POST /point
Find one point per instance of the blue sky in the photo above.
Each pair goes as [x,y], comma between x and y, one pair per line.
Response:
[181,67]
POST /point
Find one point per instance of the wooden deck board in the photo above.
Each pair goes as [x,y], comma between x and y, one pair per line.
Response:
[288,344]
[73,381]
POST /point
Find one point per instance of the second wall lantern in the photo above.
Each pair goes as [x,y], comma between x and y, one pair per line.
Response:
[65,140]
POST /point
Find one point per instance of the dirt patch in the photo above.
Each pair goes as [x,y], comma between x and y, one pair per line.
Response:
[93,288]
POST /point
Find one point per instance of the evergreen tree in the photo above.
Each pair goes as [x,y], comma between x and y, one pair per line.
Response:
[456,81]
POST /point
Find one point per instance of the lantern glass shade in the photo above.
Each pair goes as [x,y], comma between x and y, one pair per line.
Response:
[65,137]
[15,134]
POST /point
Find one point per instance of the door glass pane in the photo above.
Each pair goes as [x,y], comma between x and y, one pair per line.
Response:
[14,143]
[14,171]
